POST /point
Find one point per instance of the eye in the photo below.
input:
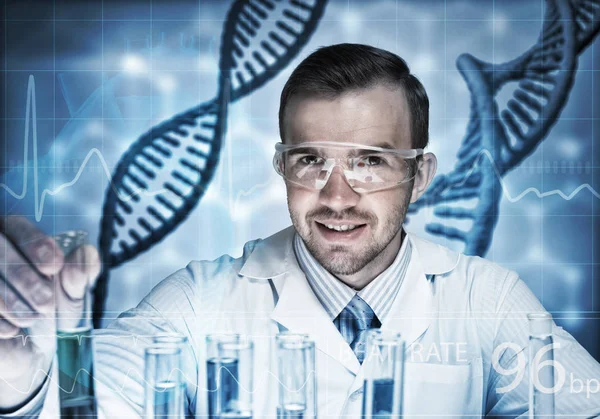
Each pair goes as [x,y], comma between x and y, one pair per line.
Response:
[310,160]
[371,161]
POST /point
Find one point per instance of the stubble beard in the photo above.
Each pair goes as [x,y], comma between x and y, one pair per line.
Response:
[344,260]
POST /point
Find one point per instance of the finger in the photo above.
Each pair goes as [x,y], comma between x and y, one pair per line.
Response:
[13,308]
[24,280]
[81,269]
[7,329]
[41,250]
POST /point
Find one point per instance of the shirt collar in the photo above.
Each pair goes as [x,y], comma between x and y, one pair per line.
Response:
[334,295]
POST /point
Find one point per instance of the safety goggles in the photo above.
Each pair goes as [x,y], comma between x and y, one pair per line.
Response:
[366,168]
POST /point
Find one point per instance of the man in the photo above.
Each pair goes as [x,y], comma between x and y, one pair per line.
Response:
[353,122]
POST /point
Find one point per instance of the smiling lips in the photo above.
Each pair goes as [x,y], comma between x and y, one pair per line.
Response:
[338,227]
[343,227]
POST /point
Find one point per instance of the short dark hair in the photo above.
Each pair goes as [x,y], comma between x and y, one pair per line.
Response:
[333,70]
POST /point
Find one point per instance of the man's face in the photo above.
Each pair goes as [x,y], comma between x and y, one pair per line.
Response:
[373,116]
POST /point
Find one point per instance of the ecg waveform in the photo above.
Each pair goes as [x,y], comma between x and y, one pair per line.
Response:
[134,337]
[518,197]
[262,382]
[131,372]
[40,199]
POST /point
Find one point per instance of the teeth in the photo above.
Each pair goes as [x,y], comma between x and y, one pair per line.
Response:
[341,228]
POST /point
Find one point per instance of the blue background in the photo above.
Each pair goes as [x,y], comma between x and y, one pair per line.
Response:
[105,72]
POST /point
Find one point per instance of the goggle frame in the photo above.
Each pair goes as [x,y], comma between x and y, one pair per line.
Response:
[281,148]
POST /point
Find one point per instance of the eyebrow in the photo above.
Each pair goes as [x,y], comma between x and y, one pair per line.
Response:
[384,145]
[314,150]
[304,150]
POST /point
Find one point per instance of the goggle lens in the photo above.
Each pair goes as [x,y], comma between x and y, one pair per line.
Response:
[365,169]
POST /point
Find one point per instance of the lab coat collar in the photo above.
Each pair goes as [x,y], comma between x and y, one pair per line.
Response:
[435,259]
[273,256]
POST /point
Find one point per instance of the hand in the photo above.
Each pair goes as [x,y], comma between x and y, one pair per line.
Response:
[35,281]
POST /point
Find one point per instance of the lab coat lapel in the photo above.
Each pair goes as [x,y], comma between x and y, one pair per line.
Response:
[298,308]
[412,309]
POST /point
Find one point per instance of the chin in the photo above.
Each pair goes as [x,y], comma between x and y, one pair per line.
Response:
[340,266]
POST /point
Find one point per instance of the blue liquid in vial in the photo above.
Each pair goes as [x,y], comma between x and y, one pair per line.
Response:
[383,398]
[168,400]
[75,372]
[229,385]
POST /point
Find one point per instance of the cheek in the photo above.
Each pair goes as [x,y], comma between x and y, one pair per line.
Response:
[299,200]
[389,205]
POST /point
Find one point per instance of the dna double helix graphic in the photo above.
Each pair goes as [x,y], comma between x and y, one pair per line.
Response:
[176,160]
[498,140]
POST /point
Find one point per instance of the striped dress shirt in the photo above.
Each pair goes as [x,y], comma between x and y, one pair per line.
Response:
[334,295]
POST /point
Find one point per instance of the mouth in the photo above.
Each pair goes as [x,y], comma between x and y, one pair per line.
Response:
[340,232]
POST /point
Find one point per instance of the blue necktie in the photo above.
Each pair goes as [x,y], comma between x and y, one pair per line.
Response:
[354,321]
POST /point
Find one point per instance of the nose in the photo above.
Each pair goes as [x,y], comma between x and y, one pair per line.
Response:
[337,194]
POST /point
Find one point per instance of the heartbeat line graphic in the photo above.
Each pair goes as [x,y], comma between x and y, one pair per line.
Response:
[39,199]
[261,383]
[137,339]
[517,198]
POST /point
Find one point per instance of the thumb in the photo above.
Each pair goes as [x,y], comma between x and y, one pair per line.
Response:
[80,271]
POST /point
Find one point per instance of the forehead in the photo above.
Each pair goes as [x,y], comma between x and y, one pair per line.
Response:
[374,116]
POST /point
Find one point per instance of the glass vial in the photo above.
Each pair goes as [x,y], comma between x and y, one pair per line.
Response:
[164,384]
[297,376]
[212,369]
[74,342]
[384,373]
[235,372]
[541,366]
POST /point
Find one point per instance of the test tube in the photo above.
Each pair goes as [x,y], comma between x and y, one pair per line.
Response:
[297,376]
[235,372]
[164,384]
[541,366]
[212,369]
[172,339]
[384,369]
[74,344]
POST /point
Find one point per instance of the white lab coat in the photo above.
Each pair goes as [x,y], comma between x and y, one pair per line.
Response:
[452,311]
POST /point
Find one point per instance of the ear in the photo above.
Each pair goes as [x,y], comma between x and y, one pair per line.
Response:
[425,172]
